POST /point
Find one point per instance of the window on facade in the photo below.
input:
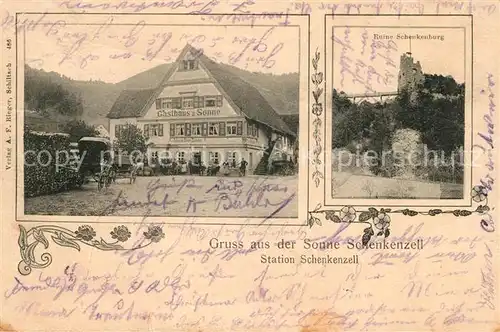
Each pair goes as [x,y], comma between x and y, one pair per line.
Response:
[198,101]
[181,156]
[151,130]
[231,128]
[166,103]
[252,130]
[179,129]
[118,129]
[188,102]
[210,101]
[196,129]
[214,157]
[196,158]
[213,129]
[156,130]
[189,65]
[231,158]
[177,103]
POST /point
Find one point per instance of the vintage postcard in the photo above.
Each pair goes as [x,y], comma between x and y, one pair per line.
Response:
[249,166]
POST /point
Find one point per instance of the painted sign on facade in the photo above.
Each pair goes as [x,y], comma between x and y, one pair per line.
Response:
[188,113]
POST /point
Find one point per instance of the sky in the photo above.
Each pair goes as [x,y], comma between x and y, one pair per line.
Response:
[112,53]
[352,51]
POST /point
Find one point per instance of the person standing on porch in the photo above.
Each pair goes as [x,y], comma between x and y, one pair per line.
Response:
[243,167]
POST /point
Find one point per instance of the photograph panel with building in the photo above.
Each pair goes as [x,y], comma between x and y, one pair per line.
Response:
[167,120]
[400,114]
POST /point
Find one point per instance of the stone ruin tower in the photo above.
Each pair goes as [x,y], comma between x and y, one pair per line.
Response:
[410,75]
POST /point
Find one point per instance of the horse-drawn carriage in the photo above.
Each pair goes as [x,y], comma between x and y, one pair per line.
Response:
[99,162]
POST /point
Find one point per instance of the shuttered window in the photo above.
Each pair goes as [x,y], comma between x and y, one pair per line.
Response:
[210,101]
[177,103]
[187,102]
[180,129]
[213,129]
[222,129]
[231,129]
[160,129]
[188,129]
[196,129]
[172,130]
[219,101]
[205,129]
[158,103]
[239,128]
[166,103]
[146,130]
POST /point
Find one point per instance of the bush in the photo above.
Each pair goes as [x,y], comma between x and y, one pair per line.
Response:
[284,168]
[43,180]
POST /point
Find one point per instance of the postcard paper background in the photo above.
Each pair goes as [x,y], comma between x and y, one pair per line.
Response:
[180,284]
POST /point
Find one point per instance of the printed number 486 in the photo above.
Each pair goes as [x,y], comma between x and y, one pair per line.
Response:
[9,44]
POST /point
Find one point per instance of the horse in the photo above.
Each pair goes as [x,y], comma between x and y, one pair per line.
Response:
[213,170]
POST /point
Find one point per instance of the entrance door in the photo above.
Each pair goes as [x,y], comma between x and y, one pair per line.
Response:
[197,158]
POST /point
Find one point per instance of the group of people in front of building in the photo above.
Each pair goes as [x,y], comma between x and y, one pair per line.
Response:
[181,167]
[225,169]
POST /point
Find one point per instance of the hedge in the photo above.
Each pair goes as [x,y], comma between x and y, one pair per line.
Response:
[42,178]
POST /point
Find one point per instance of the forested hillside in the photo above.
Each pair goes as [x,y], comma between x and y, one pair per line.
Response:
[52,94]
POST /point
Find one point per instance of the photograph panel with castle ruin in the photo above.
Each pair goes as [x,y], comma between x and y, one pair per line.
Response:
[398,113]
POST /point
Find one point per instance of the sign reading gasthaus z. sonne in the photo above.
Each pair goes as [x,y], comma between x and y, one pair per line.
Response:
[188,113]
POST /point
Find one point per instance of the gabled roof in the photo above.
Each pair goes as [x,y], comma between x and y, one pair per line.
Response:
[246,97]
[248,100]
[130,103]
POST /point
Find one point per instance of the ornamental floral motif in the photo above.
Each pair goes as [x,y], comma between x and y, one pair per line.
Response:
[154,233]
[347,214]
[120,233]
[317,111]
[378,221]
[85,232]
[479,193]
[30,239]
[382,220]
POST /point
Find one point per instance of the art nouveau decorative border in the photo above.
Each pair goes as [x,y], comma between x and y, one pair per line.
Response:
[36,237]
[317,122]
[378,220]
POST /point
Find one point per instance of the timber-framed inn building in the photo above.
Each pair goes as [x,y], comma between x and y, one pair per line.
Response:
[204,113]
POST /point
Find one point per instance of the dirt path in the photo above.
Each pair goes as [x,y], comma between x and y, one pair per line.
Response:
[176,196]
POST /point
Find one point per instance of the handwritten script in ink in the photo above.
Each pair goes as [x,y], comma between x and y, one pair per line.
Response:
[362,60]
[193,284]
[210,197]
